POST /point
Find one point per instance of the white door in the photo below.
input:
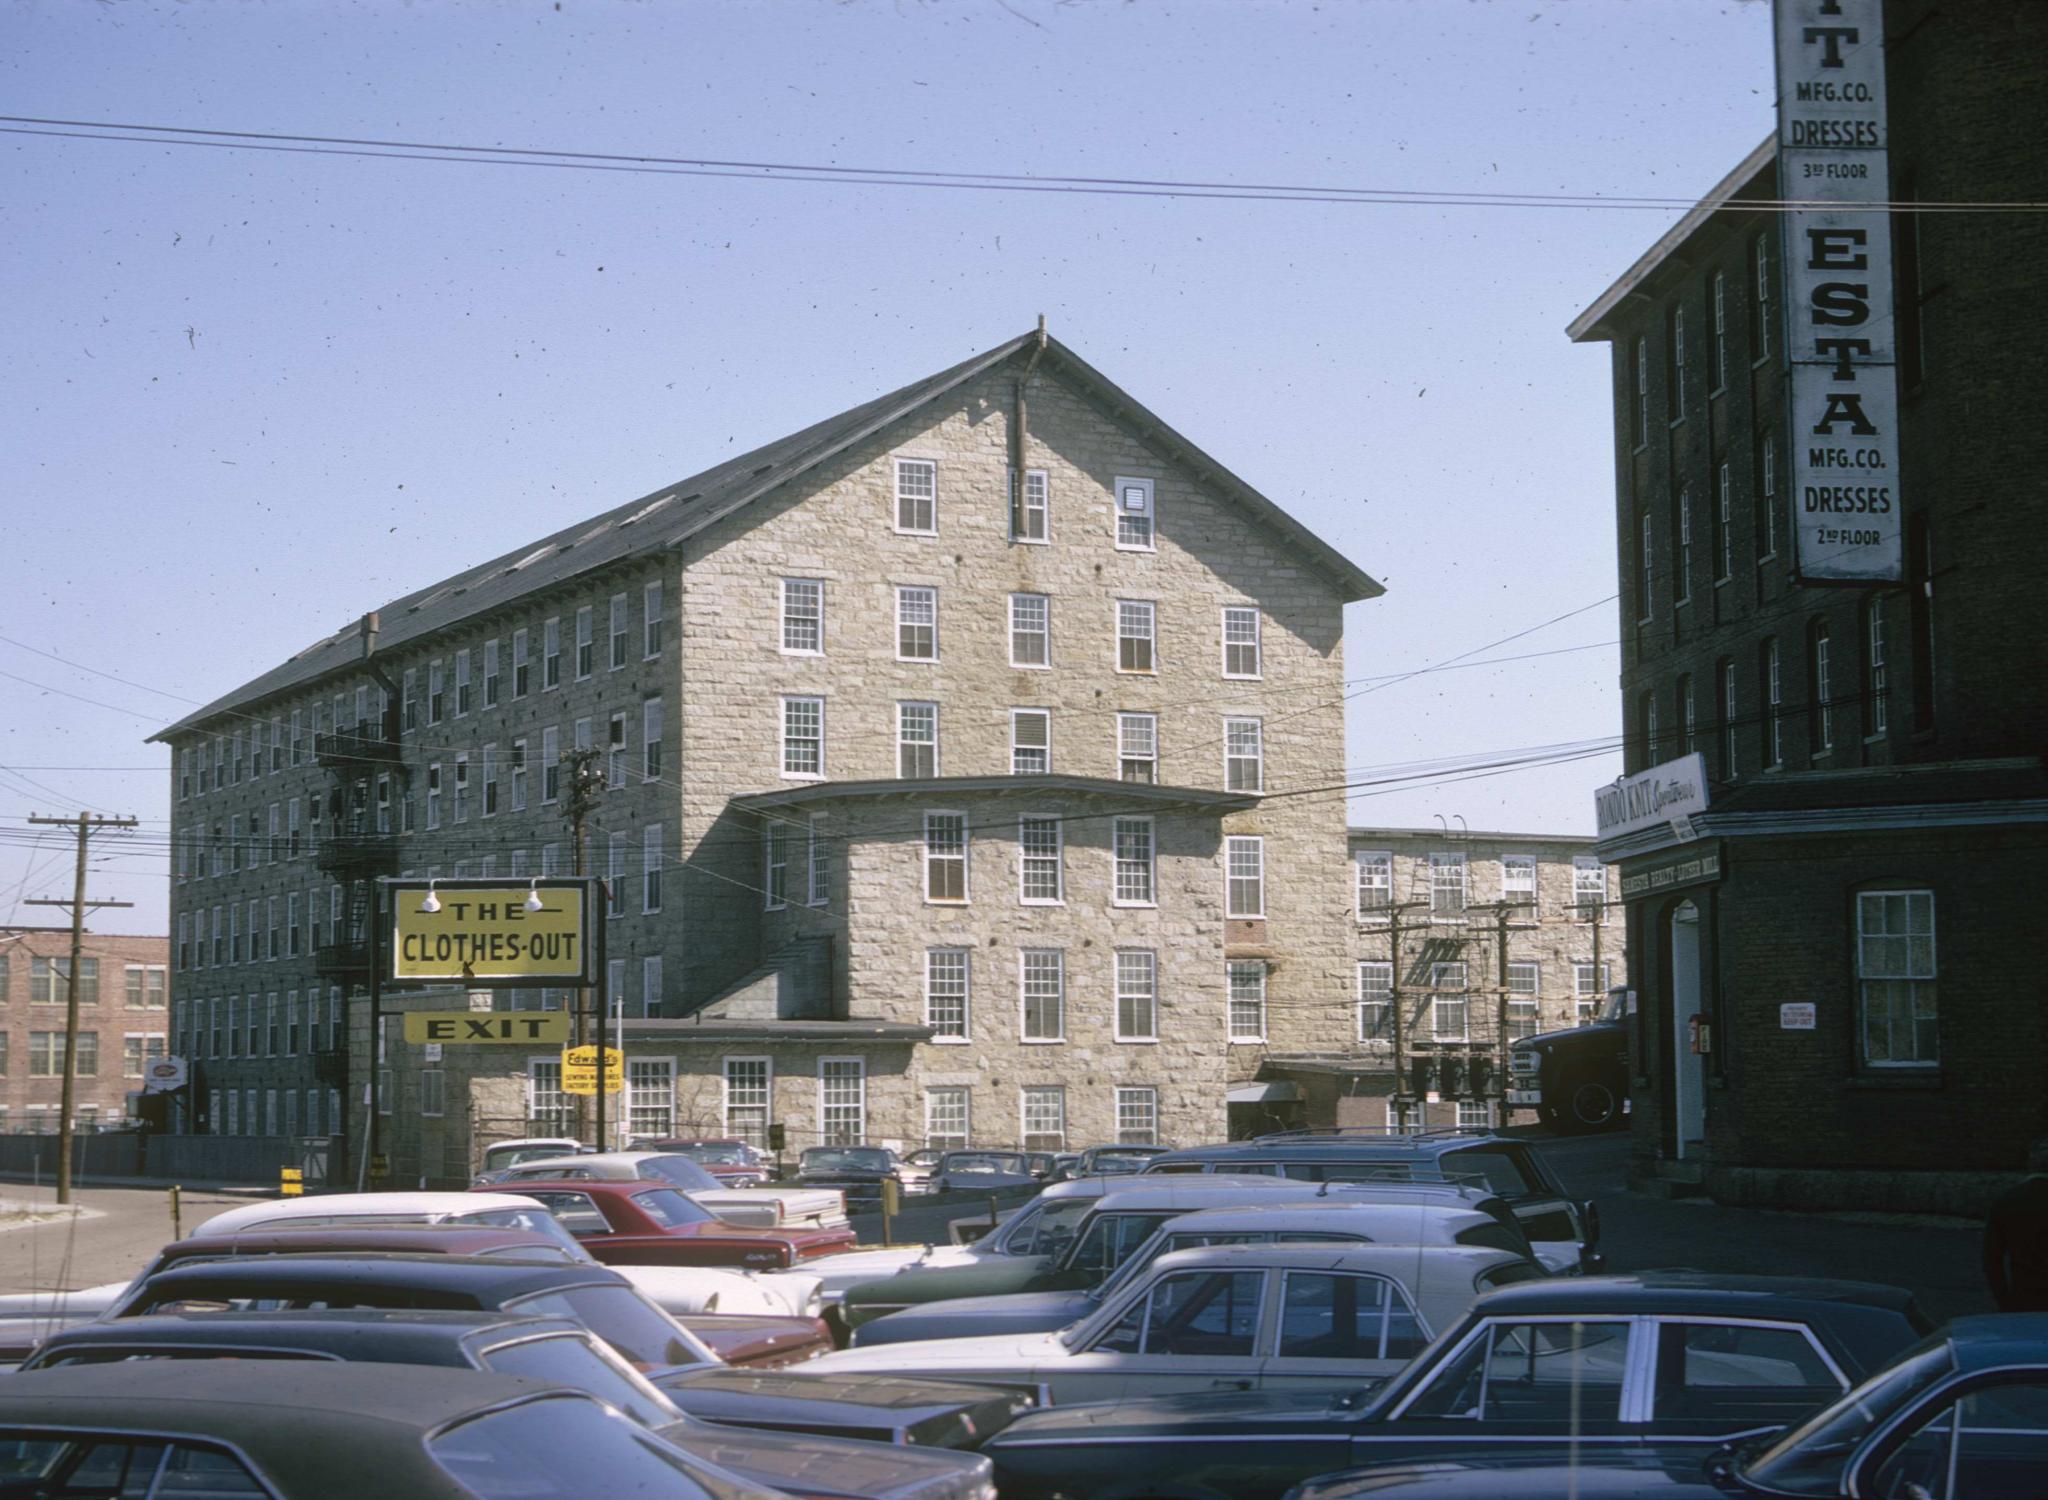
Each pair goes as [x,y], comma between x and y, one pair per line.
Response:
[1689,1073]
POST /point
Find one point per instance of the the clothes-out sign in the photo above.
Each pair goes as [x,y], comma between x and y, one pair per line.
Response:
[496,932]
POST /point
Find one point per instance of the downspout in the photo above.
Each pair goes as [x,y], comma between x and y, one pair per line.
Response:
[1020,433]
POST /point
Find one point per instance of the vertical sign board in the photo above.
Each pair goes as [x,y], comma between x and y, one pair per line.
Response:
[1834,172]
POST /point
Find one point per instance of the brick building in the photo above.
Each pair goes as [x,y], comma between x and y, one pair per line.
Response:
[1838,1001]
[122,1016]
[1463,943]
[938,741]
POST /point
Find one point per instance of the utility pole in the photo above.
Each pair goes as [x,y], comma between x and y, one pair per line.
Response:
[1501,912]
[1394,997]
[88,824]
[583,770]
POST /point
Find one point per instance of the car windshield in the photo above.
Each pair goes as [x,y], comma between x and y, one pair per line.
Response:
[1494,1166]
[642,1333]
[846,1159]
[670,1209]
[553,1447]
[1116,1163]
[1809,1459]
[680,1171]
[497,1158]
[565,1359]
[1617,1006]
[1052,1228]
[537,1219]
[733,1155]
[982,1162]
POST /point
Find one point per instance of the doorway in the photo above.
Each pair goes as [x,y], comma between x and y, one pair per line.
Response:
[1688,1066]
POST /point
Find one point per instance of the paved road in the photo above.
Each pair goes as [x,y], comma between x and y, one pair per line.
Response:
[128,1226]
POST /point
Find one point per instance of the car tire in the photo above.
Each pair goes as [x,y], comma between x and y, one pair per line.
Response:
[1591,1106]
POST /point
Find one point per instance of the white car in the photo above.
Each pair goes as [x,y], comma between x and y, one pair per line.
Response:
[762,1207]
[1227,1317]
[677,1289]
[502,1154]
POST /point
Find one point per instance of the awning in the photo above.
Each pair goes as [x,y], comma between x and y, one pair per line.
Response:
[1264,1093]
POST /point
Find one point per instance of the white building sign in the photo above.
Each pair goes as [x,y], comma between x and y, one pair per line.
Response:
[1847,512]
[162,1074]
[1663,794]
[1797,1015]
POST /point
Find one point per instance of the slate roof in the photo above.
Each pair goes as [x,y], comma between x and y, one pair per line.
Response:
[669,516]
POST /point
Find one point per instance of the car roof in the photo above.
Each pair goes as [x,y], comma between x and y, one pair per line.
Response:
[614,1186]
[1103,1187]
[1986,1341]
[1368,1257]
[1209,1190]
[532,1140]
[419,1239]
[390,1335]
[545,1164]
[1332,1212]
[1269,1147]
[1693,1292]
[361,1205]
[451,1273]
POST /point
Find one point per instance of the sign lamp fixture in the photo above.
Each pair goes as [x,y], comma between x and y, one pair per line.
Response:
[533,901]
[433,902]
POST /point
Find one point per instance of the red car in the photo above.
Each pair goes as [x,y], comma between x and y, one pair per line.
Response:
[647,1224]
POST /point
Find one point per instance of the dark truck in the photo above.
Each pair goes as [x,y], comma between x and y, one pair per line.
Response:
[1576,1080]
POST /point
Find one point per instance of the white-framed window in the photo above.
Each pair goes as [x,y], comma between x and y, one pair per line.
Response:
[550,764]
[917,496]
[1641,432]
[522,667]
[1374,869]
[945,857]
[1823,688]
[842,1101]
[1042,994]
[1767,490]
[1375,1000]
[749,1084]
[1895,979]
[586,647]
[1043,1114]
[650,739]
[1590,982]
[775,844]
[1475,1114]
[1244,755]
[1134,514]
[619,633]
[462,788]
[493,681]
[1724,533]
[1681,566]
[437,696]
[650,620]
[1447,885]
[946,972]
[1244,857]
[1136,852]
[917,740]
[1241,641]
[817,866]
[1589,888]
[1137,995]
[650,868]
[551,653]
[1137,747]
[803,737]
[1524,986]
[917,623]
[615,752]
[1450,1005]
[1030,516]
[1136,631]
[1246,980]
[1763,311]
[650,985]
[1030,630]
[433,1092]
[651,1096]
[946,1119]
[463,698]
[1720,301]
[1039,861]
[547,1107]
[803,616]
[615,875]
[1645,560]
[488,780]
[1030,741]
[1137,1116]
[1518,887]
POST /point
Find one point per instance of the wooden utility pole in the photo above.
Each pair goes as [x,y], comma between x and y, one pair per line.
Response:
[584,771]
[88,824]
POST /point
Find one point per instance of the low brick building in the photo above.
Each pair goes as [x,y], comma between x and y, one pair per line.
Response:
[123,1019]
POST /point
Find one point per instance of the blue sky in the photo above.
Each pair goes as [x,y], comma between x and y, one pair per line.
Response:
[249,395]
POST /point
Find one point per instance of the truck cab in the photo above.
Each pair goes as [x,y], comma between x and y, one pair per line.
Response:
[1576,1080]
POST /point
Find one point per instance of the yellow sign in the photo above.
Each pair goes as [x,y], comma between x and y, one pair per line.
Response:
[291,1182]
[482,931]
[579,1070]
[525,1028]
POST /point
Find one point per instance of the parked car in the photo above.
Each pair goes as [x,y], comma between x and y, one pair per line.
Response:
[1667,1362]
[1342,1221]
[502,1154]
[679,1288]
[1110,1161]
[1118,1214]
[763,1207]
[1228,1317]
[645,1223]
[982,1172]
[601,1299]
[879,1409]
[554,1349]
[1576,1079]
[1045,1163]
[1566,1233]
[856,1171]
[731,1160]
[317,1429]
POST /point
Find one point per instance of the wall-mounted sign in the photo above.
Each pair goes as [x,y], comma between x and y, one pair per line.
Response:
[522,1028]
[484,931]
[1833,166]
[1796,1015]
[579,1070]
[1663,794]
[1649,877]
[162,1074]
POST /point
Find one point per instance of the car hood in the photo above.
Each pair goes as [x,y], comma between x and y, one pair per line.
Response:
[1018,1312]
[802,1464]
[850,1268]
[1475,1479]
[1235,1410]
[707,1289]
[1590,1029]
[1000,1350]
[984,1276]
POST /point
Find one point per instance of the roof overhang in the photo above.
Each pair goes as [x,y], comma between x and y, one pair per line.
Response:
[1272,1092]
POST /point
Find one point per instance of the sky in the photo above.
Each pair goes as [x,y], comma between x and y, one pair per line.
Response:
[251,394]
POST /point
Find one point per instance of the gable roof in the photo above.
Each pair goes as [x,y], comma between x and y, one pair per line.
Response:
[671,515]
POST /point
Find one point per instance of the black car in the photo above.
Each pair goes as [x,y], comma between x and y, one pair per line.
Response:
[1664,1362]
[558,1350]
[307,1429]
[1963,1416]
[857,1171]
